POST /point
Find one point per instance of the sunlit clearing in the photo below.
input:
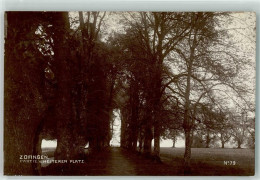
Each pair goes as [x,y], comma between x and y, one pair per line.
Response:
[168,143]
[49,143]
[116,129]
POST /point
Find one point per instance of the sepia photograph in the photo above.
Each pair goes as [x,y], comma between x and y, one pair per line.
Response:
[103,93]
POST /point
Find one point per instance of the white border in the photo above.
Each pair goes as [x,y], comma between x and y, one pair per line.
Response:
[128,5]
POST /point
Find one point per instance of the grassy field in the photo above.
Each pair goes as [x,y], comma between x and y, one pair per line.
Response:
[48,152]
[210,161]
[204,161]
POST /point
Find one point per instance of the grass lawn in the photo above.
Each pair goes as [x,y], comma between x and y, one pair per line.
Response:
[204,161]
[210,161]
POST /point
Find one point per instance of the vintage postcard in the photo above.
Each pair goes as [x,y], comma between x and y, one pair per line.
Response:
[129,93]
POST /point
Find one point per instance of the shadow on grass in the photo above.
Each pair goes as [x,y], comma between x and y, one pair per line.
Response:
[116,161]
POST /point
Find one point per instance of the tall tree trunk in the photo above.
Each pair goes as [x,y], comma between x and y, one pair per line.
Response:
[134,100]
[208,139]
[173,142]
[64,150]
[156,144]
[148,141]
[157,107]
[187,130]
[123,128]
[134,145]
[140,149]
[222,140]
[187,123]
[22,99]
[187,153]
[239,144]
[157,131]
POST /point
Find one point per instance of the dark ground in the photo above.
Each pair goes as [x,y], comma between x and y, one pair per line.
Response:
[210,161]
[117,161]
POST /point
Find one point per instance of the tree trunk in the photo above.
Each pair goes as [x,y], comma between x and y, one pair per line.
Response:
[187,123]
[64,117]
[123,128]
[173,142]
[134,145]
[187,154]
[148,142]
[22,99]
[239,144]
[140,144]
[37,146]
[222,144]
[157,131]
[157,108]
[207,140]
[156,144]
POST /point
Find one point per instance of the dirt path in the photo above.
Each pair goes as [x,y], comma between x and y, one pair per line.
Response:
[124,163]
[112,162]
[120,164]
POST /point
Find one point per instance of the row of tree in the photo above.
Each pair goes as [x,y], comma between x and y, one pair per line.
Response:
[179,65]
[218,131]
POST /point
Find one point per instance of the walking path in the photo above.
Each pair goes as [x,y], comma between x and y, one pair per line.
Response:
[114,161]
[120,164]
[124,163]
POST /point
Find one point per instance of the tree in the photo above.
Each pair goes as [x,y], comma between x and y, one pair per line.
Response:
[204,67]
[171,118]
[239,125]
[200,35]
[224,129]
[173,135]
[61,27]
[156,35]
[23,101]
[251,131]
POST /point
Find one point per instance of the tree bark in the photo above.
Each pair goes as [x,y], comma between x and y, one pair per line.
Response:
[239,144]
[187,128]
[187,153]
[22,98]
[148,141]
[173,142]
[157,144]
[140,144]
[123,128]
[157,105]
[64,117]
[187,123]
[208,140]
